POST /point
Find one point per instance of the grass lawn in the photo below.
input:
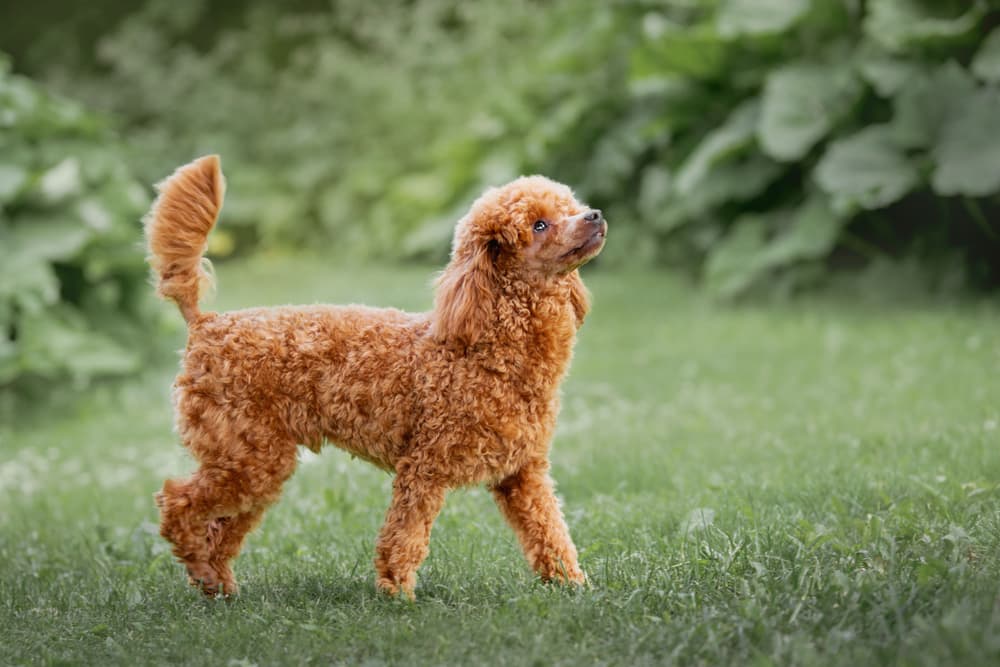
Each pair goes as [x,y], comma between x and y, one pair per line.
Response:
[806,483]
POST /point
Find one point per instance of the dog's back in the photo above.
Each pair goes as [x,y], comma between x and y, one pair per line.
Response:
[318,373]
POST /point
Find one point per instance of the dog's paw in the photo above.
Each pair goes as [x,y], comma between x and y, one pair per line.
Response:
[210,583]
[393,588]
[211,588]
[578,577]
[564,576]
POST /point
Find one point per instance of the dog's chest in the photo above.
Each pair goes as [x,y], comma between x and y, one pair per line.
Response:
[482,419]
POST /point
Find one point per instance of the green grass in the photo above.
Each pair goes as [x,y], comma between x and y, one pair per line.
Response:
[807,483]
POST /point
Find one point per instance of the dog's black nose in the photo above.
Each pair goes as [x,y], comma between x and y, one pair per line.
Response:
[593,215]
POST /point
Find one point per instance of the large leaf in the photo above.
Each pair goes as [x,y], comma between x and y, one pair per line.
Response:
[726,183]
[986,64]
[967,154]
[757,17]
[669,48]
[731,182]
[735,134]
[753,248]
[902,25]
[615,154]
[9,368]
[61,181]
[12,179]
[811,233]
[923,105]
[865,170]
[732,265]
[885,74]
[53,237]
[801,104]
[26,282]
[719,172]
[59,342]
[655,191]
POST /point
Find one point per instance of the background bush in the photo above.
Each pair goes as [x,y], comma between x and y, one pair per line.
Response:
[741,140]
[786,133]
[748,142]
[351,123]
[72,279]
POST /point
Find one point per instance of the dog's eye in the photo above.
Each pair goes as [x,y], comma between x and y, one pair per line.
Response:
[540,225]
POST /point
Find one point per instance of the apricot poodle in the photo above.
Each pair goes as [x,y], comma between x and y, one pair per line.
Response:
[465,394]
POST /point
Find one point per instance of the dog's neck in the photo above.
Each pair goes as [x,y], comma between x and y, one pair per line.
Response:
[537,317]
[482,310]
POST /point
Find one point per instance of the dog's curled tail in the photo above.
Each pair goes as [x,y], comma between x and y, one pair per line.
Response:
[177,228]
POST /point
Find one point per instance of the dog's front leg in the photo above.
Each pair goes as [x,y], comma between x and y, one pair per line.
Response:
[528,501]
[403,541]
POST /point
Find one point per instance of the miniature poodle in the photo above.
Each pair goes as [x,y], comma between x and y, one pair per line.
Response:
[467,393]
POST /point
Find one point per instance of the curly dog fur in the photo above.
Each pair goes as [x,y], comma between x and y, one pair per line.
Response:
[465,394]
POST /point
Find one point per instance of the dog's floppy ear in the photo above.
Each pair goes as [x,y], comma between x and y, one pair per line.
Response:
[579,297]
[464,302]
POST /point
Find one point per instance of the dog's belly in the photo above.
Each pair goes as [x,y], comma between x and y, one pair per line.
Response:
[372,445]
[366,455]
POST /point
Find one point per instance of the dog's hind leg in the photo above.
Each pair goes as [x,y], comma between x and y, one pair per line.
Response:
[207,516]
[527,500]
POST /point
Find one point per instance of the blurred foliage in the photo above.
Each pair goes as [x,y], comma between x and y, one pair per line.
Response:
[72,278]
[747,141]
[807,129]
[350,123]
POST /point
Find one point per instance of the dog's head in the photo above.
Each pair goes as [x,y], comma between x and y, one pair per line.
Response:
[531,231]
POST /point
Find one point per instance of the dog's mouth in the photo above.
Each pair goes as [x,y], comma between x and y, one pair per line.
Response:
[590,247]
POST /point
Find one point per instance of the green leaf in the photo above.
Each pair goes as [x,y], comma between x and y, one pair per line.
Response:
[736,181]
[923,105]
[887,75]
[59,342]
[747,253]
[801,104]
[61,181]
[37,237]
[865,170]
[811,234]
[902,25]
[735,134]
[614,156]
[655,190]
[726,183]
[94,214]
[967,154]
[27,282]
[986,64]
[695,51]
[419,191]
[758,17]
[9,367]
[12,179]
[732,265]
